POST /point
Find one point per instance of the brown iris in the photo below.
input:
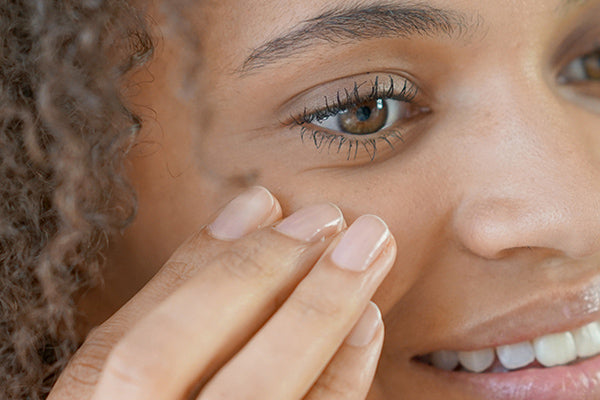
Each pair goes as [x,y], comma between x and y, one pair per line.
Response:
[364,118]
[591,63]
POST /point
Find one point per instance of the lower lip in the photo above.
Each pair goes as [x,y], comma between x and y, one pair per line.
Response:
[580,381]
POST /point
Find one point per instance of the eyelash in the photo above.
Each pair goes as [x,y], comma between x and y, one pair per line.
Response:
[322,139]
[345,99]
[342,101]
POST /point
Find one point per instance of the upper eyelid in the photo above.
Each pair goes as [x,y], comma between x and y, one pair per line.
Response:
[313,98]
[405,91]
[581,40]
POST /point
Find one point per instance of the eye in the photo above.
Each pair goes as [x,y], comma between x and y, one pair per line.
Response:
[352,122]
[368,117]
[585,68]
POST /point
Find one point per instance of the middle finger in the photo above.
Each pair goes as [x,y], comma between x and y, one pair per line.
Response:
[200,325]
[285,358]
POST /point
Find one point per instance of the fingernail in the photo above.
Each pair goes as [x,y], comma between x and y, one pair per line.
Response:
[243,214]
[312,223]
[365,329]
[361,244]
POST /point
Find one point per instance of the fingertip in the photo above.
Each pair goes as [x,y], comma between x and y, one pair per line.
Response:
[251,210]
[366,328]
[351,372]
[275,213]
[312,223]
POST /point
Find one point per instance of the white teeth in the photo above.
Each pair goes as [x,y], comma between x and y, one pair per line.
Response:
[549,350]
[555,349]
[587,340]
[446,360]
[516,355]
[476,361]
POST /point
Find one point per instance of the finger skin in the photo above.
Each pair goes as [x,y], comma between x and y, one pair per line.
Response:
[350,374]
[208,318]
[304,334]
[79,379]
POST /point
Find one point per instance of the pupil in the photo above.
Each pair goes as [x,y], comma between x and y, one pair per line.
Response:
[364,119]
[363,113]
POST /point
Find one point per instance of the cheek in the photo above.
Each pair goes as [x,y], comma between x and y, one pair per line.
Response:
[407,202]
[412,191]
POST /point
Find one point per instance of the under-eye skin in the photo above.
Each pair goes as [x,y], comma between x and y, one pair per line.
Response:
[361,118]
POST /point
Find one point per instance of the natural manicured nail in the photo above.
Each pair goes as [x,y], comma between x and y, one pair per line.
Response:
[361,244]
[312,223]
[244,214]
[364,331]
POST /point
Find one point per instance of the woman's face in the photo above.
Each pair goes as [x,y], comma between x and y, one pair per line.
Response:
[471,127]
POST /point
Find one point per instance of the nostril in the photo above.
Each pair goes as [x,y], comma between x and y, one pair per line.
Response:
[488,229]
[495,228]
[487,242]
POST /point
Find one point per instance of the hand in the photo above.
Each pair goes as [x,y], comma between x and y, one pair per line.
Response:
[243,310]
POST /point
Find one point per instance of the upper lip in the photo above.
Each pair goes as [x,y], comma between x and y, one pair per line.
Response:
[560,309]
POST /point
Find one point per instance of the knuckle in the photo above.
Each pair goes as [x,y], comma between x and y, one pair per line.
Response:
[330,387]
[315,304]
[86,366]
[193,251]
[94,350]
[174,273]
[83,371]
[120,369]
[245,264]
[130,367]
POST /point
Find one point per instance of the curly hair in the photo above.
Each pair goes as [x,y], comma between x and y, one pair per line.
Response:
[64,131]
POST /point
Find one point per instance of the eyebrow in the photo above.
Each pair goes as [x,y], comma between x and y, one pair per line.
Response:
[360,23]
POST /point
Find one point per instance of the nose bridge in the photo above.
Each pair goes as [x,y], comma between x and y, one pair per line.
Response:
[538,187]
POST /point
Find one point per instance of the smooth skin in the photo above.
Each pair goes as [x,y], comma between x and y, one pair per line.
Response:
[493,196]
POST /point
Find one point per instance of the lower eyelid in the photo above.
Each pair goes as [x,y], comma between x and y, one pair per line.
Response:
[349,147]
[358,148]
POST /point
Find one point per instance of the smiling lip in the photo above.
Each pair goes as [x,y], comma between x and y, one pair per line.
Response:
[566,309]
[574,382]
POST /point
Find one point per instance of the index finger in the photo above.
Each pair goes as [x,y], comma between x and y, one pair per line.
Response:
[255,208]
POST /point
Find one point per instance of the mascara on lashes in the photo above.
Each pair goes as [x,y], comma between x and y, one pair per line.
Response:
[344,100]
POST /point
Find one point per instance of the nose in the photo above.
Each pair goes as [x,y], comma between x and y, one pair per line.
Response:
[539,186]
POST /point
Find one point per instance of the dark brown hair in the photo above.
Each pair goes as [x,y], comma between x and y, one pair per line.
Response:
[64,131]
